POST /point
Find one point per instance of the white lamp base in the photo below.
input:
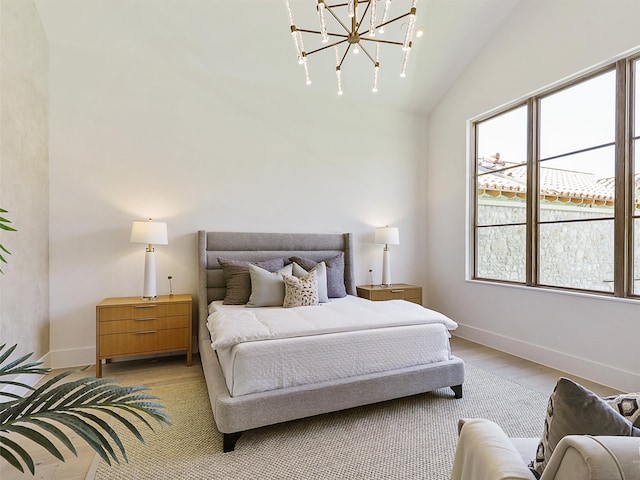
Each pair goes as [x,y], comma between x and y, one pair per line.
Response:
[149,290]
[386,267]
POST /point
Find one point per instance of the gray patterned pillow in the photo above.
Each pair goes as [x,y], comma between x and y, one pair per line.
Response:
[627,405]
[300,292]
[236,275]
[335,273]
[574,410]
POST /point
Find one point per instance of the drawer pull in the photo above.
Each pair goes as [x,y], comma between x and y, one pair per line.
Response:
[151,305]
[146,331]
[146,318]
[397,291]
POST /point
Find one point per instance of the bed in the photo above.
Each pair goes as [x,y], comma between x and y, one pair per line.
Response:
[239,406]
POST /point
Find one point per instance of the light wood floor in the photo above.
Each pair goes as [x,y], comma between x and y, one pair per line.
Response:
[172,370]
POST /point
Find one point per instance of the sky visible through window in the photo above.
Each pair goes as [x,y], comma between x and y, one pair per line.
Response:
[582,116]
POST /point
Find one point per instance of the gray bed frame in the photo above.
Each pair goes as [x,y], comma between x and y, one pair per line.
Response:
[234,415]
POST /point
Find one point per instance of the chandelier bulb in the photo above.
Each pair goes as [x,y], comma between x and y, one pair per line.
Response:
[356,50]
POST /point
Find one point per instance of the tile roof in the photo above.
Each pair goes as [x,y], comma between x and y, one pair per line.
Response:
[509,179]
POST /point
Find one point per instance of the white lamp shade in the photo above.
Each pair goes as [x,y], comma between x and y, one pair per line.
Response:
[387,236]
[151,233]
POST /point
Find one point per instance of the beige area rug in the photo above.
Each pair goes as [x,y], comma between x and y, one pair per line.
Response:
[410,438]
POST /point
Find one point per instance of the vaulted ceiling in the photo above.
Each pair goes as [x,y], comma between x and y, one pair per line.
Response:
[250,40]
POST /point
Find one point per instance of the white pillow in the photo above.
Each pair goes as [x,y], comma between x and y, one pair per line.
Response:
[267,288]
[321,272]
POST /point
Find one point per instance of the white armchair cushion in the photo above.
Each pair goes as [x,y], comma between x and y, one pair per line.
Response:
[485,452]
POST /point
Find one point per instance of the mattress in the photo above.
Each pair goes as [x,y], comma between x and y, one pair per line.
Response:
[274,363]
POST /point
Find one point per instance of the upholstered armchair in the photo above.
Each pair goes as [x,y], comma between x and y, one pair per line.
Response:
[485,452]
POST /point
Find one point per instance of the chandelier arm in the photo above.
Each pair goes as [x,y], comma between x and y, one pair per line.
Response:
[330,10]
[344,4]
[317,32]
[364,14]
[326,46]
[341,35]
[377,40]
[344,56]
[393,20]
[368,55]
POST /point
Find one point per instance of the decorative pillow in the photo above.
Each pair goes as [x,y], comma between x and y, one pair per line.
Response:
[574,410]
[267,288]
[301,292]
[335,273]
[321,272]
[236,274]
[627,405]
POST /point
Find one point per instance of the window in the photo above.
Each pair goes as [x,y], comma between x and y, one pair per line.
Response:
[501,182]
[635,152]
[575,148]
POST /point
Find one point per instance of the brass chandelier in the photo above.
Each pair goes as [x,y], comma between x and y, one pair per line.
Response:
[355,33]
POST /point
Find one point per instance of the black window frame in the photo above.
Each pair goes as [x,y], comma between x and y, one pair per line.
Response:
[625,211]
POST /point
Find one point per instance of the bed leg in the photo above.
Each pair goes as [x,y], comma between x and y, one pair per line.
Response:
[229,441]
[457,391]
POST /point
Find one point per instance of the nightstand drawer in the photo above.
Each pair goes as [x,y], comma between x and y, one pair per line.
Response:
[145,323]
[398,291]
[144,341]
[144,311]
[411,294]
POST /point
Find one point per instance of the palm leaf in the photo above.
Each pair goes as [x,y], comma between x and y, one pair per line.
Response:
[14,367]
[4,226]
[56,432]
[70,404]
[37,437]
[110,431]
[22,453]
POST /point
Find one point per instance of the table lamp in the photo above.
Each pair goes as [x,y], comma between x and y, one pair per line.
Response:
[151,233]
[387,236]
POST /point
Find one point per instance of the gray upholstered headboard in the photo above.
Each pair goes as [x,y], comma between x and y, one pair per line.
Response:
[262,246]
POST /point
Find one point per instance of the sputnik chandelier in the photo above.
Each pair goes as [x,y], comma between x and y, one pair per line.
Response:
[355,33]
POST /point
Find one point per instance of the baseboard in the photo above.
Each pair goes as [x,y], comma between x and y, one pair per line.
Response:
[73,357]
[619,379]
[80,357]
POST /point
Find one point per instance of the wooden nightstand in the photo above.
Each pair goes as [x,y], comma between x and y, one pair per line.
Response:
[396,291]
[135,326]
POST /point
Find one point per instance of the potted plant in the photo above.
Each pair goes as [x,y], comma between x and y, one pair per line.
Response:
[80,406]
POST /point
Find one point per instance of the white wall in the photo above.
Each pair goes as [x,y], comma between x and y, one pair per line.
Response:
[542,42]
[24,179]
[140,135]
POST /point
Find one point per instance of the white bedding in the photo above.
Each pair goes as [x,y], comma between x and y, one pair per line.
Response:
[230,325]
[342,338]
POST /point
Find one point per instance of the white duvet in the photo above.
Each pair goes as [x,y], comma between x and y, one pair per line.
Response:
[232,326]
